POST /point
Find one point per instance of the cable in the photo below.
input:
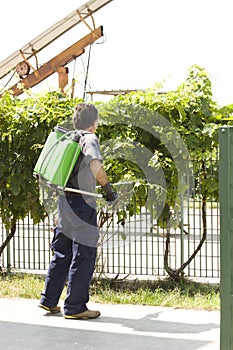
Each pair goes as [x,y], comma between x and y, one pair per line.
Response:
[8,82]
[103,41]
[73,79]
[87,71]
[88,64]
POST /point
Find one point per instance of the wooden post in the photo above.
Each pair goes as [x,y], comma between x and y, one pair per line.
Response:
[63,73]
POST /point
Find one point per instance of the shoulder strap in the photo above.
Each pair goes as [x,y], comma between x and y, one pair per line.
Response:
[76,137]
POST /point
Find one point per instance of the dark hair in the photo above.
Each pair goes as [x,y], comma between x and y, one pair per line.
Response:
[85,115]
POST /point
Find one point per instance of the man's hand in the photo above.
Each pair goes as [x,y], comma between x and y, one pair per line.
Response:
[110,195]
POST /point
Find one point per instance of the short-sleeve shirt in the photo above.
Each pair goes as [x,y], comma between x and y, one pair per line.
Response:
[77,213]
[82,177]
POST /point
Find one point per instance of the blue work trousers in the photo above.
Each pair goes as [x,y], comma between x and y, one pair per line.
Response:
[73,263]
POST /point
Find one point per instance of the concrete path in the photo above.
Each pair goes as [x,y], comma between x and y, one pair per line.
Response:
[24,326]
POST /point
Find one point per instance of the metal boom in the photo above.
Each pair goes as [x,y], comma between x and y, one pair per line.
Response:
[51,34]
[56,62]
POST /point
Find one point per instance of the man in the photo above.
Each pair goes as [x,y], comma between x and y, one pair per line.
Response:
[76,235]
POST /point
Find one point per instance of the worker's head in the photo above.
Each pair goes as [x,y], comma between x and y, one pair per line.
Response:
[85,117]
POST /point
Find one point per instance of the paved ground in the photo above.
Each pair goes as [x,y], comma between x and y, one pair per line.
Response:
[24,326]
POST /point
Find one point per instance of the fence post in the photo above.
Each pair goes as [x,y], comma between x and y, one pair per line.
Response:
[226,236]
[8,254]
[182,223]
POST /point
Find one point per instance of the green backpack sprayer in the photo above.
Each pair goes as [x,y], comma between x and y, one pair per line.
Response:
[58,158]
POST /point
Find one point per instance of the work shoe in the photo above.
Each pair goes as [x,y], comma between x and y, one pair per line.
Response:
[53,310]
[83,315]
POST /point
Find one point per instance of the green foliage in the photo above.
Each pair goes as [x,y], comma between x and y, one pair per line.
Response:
[154,135]
[25,125]
[147,138]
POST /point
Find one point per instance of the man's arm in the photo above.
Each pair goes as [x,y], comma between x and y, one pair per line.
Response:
[98,172]
[102,178]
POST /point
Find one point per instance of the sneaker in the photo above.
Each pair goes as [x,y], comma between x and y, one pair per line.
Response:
[53,310]
[88,314]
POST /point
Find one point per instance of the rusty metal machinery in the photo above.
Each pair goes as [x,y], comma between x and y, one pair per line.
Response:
[31,75]
[56,63]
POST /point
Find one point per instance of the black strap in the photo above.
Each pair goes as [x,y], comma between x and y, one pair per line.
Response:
[77,135]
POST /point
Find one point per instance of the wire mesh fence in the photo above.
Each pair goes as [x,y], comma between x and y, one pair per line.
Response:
[136,247]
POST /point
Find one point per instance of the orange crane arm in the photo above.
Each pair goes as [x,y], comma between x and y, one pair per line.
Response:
[56,62]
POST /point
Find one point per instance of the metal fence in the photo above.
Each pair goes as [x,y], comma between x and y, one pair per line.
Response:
[137,248]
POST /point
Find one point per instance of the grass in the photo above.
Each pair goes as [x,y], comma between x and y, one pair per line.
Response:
[188,294]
